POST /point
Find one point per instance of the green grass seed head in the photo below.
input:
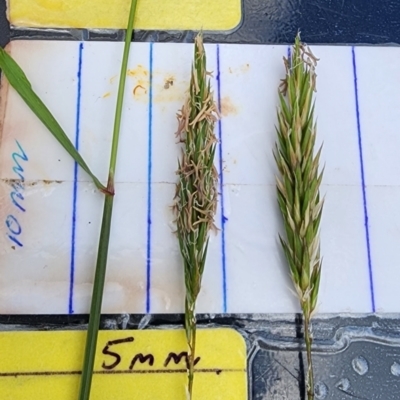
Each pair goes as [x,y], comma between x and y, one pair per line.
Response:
[299,182]
[196,191]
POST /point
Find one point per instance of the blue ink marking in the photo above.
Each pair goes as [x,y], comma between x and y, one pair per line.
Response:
[12,223]
[18,169]
[289,56]
[371,281]
[149,176]
[15,202]
[18,186]
[15,240]
[75,191]
[221,186]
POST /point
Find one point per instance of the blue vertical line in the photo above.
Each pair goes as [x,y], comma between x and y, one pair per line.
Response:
[149,176]
[366,224]
[75,191]
[221,185]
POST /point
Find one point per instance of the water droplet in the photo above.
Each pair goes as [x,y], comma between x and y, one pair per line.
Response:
[124,319]
[144,321]
[320,390]
[360,365]
[395,369]
[110,324]
[343,384]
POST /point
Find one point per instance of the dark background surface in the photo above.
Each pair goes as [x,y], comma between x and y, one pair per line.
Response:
[271,21]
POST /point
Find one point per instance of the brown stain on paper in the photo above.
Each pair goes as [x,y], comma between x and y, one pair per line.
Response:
[139,71]
[26,183]
[227,107]
[139,90]
[140,75]
[169,91]
[242,69]
[169,82]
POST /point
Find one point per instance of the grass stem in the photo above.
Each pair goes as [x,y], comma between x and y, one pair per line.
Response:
[97,298]
[102,255]
[121,90]
[308,341]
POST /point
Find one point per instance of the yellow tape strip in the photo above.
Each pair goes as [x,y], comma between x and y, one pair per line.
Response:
[151,14]
[129,365]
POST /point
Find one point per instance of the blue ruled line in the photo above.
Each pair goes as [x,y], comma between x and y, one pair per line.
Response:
[75,194]
[149,176]
[360,148]
[221,186]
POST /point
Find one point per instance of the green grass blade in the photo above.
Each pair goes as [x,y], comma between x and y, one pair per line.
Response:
[18,80]
[102,255]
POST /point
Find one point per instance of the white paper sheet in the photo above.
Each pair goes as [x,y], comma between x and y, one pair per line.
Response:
[54,216]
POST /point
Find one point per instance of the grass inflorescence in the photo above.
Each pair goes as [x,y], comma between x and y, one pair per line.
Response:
[299,183]
[196,190]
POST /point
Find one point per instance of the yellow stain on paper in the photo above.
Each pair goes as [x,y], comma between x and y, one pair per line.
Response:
[151,14]
[146,365]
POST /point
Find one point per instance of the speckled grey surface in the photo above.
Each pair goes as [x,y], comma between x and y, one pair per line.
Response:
[355,358]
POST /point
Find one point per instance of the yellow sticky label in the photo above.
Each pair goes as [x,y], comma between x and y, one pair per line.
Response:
[145,365]
[151,14]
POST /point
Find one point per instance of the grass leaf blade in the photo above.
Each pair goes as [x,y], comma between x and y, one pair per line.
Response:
[18,80]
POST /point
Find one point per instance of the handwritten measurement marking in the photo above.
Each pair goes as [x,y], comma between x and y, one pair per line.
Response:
[14,228]
[106,351]
[178,357]
[140,357]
